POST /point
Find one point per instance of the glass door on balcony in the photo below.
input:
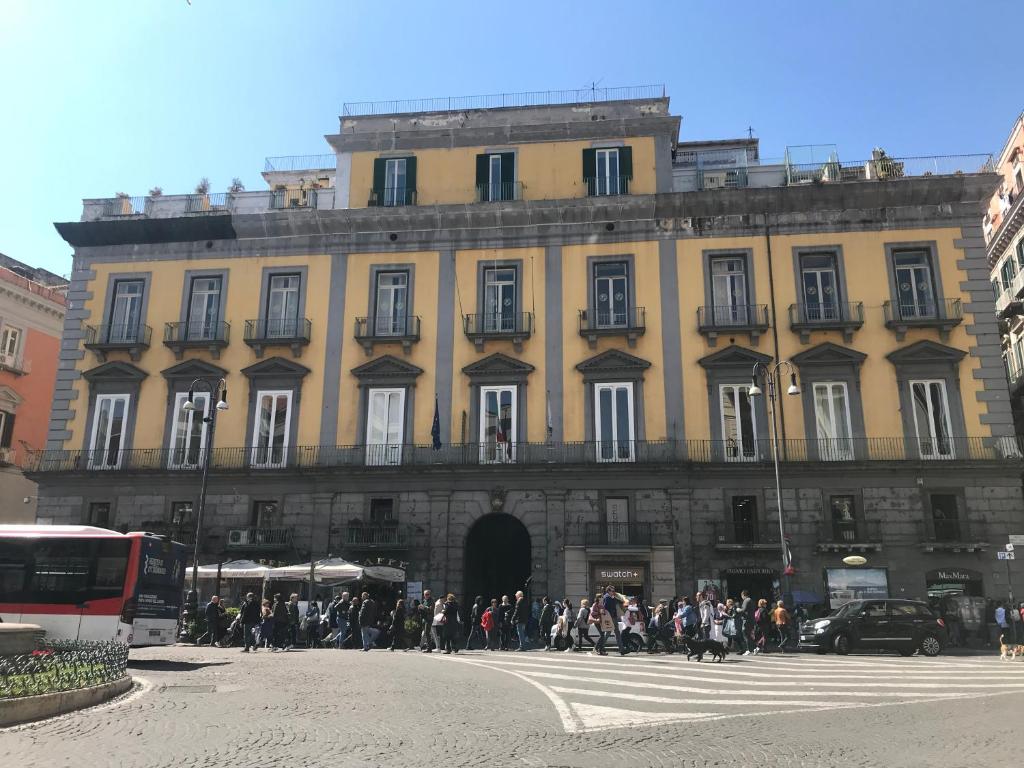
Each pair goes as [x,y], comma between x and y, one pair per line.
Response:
[500,300]
[729,291]
[271,429]
[9,341]
[283,306]
[945,516]
[385,426]
[607,179]
[931,419]
[108,426]
[611,295]
[739,422]
[394,181]
[188,437]
[392,300]
[844,524]
[498,420]
[613,416]
[832,421]
[744,519]
[203,308]
[126,312]
[820,288]
[915,287]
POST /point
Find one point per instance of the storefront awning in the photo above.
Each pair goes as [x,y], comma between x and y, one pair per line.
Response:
[333,569]
[234,569]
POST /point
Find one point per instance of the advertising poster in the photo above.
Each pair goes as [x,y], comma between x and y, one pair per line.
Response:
[846,584]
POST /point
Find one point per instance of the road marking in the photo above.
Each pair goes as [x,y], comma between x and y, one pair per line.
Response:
[595,716]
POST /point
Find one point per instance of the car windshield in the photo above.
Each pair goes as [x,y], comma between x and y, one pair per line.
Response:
[843,610]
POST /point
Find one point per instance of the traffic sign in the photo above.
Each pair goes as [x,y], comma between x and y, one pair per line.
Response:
[1009,547]
[1005,556]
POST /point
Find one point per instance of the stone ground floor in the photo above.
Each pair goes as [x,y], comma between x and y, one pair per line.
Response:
[923,529]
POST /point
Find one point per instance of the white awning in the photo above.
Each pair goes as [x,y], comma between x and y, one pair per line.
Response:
[234,569]
[330,569]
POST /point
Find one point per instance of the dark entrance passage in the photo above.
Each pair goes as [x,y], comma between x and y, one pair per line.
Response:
[756,581]
[497,557]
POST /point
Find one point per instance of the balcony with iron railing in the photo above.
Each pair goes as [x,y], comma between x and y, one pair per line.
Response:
[391,197]
[293,332]
[516,327]
[291,163]
[293,198]
[386,329]
[602,186]
[630,323]
[619,535]
[205,204]
[196,334]
[747,536]
[850,536]
[259,539]
[883,168]
[713,321]
[704,455]
[131,338]
[376,536]
[943,315]
[497,192]
[17,363]
[1008,223]
[844,316]
[952,535]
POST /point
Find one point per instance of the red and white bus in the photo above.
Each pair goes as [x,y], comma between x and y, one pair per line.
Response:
[83,583]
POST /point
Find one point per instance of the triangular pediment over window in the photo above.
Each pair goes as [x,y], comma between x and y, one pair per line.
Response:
[115,370]
[612,362]
[387,367]
[734,356]
[276,367]
[194,369]
[926,352]
[829,354]
[496,365]
[9,399]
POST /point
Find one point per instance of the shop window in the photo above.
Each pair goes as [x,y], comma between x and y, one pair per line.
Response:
[945,516]
[99,514]
[382,511]
[744,518]
[265,514]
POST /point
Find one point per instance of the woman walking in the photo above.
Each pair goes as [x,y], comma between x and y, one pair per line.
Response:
[729,623]
[398,626]
[313,635]
[583,625]
[718,623]
[266,631]
[601,619]
[546,621]
[762,623]
[450,624]
[355,629]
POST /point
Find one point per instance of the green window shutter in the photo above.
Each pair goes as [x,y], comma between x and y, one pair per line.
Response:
[626,162]
[410,180]
[8,433]
[482,168]
[379,171]
[589,163]
[508,167]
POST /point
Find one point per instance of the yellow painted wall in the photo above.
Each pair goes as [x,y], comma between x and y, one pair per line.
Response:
[243,291]
[422,354]
[464,351]
[547,170]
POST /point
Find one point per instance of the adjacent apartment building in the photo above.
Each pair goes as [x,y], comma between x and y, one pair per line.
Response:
[32,308]
[508,337]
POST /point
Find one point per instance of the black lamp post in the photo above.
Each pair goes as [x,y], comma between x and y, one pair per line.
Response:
[218,390]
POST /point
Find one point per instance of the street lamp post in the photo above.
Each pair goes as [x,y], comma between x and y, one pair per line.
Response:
[218,390]
[769,374]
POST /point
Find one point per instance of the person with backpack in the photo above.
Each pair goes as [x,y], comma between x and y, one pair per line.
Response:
[487,624]
[689,619]
[612,602]
[475,615]
[449,627]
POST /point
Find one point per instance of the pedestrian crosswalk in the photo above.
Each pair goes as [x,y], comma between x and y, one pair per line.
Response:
[590,693]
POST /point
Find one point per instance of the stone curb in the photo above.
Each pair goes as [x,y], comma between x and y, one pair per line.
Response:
[27,708]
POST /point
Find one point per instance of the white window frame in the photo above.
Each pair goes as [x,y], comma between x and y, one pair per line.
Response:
[394,323]
[395,168]
[131,304]
[606,182]
[285,323]
[831,447]
[494,178]
[98,455]
[498,321]
[382,452]
[609,282]
[930,438]
[189,417]
[740,452]
[10,341]
[921,272]
[490,452]
[730,311]
[199,327]
[615,439]
[267,462]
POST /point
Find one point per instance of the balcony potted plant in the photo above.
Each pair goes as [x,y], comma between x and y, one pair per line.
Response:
[200,201]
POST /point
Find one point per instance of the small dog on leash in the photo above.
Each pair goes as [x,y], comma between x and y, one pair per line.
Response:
[1009,652]
[699,647]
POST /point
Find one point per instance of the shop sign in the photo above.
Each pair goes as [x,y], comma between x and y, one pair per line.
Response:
[955,575]
[609,574]
[384,573]
[749,571]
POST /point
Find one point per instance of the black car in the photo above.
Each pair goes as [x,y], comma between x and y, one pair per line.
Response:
[905,626]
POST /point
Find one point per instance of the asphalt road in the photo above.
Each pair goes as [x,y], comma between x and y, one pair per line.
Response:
[219,707]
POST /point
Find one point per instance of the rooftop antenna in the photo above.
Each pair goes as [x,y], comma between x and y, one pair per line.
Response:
[750,132]
[593,88]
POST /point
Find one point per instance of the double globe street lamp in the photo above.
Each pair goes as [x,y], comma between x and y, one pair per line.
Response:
[219,391]
[769,373]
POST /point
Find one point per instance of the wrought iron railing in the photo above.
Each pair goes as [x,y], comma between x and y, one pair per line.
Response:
[373,536]
[850,532]
[923,312]
[196,332]
[259,538]
[126,206]
[118,335]
[62,666]
[832,170]
[633,318]
[599,186]
[201,202]
[620,534]
[747,533]
[498,191]
[733,316]
[944,530]
[278,329]
[300,163]
[386,327]
[826,313]
[498,324]
[390,197]
[293,198]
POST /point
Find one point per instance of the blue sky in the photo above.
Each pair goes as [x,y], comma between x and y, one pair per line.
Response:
[108,96]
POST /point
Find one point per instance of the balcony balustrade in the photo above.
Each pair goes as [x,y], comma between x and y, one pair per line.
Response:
[944,315]
[133,339]
[509,326]
[387,330]
[826,316]
[291,332]
[713,321]
[196,334]
[595,323]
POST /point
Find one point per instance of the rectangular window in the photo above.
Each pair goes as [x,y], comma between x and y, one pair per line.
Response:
[1020,255]
[739,422]
[931,419]
[271,430]
[1008,270]
[500,288]
[915,286]
[616,515]
[108,427]
[495,176]
[395,182]
[385,426]
[844,522]
[126,312]
[6,429]
[820,287]
[99,514]
[607,178]
[10,340]
[945,516]
[611,294]
[729,291]
[613,420]
[498,420]
[382,511]
[203,308]
[181,513]
[744,519]
[832,421]
[283,306]
[265,514]
[392,300]
[188,437]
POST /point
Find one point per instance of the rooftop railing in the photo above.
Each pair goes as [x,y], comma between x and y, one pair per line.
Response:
[500,100]
[833,170]
[300,163]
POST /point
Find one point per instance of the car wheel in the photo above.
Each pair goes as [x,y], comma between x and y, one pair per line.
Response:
[635,644]
[930,646]
[841,644]
[906,651]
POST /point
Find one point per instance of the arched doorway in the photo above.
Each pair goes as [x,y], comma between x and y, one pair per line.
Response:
[497,557]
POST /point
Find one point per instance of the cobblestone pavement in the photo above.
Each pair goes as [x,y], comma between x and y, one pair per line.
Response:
[218,707]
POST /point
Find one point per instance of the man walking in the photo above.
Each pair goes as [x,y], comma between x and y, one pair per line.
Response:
[520,618]
[707,614]
[476,614]
[212,613]
[780,617]
[427,618]
[611,604]
[293,622]
[368,621]
[744,622]
[250,615]
[546,621]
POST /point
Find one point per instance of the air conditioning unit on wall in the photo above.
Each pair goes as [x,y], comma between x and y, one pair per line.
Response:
[238,537]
